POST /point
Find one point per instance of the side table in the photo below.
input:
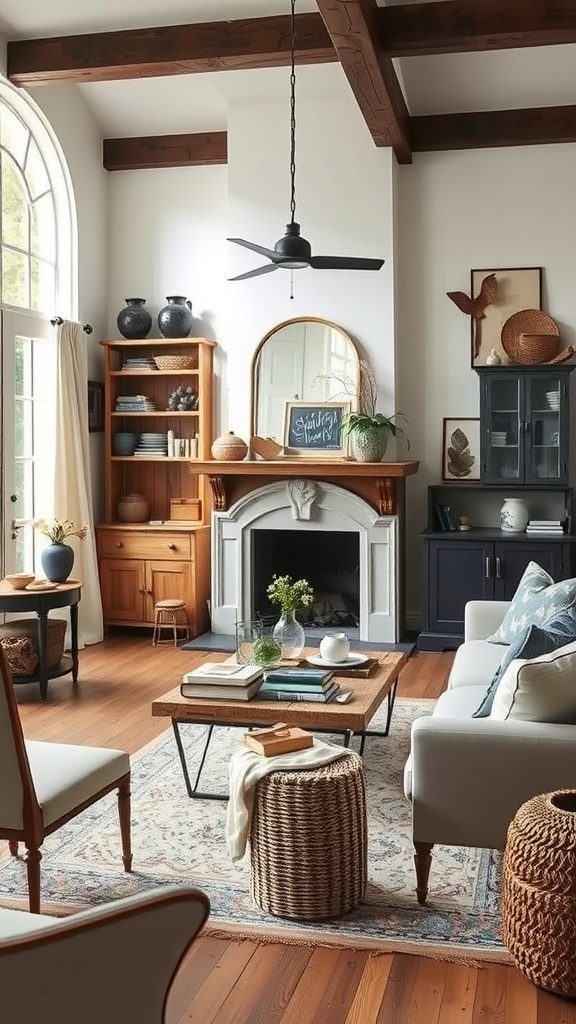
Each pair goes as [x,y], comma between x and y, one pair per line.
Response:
[64,595]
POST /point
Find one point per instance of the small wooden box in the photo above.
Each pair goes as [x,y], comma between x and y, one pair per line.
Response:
[278,739]
[186,510]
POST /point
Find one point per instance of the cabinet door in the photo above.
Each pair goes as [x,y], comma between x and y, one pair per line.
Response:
[502,439]
[122,585]
[168,580]
[546,428]
[511,560]
[457,571]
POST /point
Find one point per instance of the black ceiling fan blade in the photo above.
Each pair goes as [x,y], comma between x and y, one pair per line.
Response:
[345,263]
[266,269]
[255,248]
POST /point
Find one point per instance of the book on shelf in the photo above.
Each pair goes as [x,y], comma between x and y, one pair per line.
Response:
[449,517]
[220,691]
[319,677]
[544,529]
[544,522]
[320,697]
[223,672]
[278,739]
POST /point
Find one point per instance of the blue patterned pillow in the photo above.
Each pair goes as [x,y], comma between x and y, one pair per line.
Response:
[538,601]
[532,643]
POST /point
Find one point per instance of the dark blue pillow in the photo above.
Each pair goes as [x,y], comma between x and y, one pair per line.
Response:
[533,642]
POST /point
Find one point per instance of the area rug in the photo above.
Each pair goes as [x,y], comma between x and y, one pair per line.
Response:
[178,840]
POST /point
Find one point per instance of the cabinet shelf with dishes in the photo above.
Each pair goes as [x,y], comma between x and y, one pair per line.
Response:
[167,555]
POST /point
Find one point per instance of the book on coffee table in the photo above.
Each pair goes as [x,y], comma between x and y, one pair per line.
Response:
[220,691]
[292,678]
[223,672]
[320,696]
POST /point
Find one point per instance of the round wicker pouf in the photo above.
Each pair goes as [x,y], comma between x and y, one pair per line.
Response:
[539,891]
[308,840]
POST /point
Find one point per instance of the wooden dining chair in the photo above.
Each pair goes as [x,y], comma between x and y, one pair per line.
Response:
[44,785]
[108,965]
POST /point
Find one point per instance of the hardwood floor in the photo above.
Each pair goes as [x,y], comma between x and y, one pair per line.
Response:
[248,982]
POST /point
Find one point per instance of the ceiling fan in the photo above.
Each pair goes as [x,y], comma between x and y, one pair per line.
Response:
[292,251]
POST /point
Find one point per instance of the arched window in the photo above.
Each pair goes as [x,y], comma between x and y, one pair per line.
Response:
[38,245]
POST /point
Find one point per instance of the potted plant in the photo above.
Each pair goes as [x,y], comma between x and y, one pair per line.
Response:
[369,431]
[290,594]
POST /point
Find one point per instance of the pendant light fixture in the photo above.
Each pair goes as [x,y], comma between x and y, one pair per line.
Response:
[292,251]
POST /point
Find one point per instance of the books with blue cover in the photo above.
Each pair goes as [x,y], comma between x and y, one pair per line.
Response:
[299,676]
[320,696]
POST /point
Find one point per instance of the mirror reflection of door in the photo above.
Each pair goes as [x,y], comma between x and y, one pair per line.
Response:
[28,379]
[301,359]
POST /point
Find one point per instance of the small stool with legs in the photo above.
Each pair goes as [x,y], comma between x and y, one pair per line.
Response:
[170,614]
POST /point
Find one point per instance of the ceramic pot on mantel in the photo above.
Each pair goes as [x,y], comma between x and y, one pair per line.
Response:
[57,561]
[229,448]
[369,445]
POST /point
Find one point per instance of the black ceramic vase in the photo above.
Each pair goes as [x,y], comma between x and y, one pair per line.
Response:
[135,321]
[175,319]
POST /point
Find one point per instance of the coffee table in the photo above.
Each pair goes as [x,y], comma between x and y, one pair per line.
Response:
[351,719]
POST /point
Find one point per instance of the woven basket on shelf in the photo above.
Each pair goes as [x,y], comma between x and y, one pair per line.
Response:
[539,891]
[308,840]
[175,362]
[530,336]
[28,629]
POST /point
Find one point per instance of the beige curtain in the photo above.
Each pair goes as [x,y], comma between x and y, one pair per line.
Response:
[72,484]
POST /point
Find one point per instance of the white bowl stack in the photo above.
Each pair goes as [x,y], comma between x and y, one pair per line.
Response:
[553,399]
[498,438]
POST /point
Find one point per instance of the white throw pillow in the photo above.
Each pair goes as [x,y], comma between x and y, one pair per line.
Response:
[540,689]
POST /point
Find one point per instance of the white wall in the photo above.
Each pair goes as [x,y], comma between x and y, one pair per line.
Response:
[457,212]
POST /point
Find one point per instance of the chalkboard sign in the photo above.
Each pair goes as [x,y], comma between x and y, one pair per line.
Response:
[315,428]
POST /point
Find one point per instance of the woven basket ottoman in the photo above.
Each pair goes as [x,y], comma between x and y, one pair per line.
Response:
[308,840]
[539,891]
[55,634]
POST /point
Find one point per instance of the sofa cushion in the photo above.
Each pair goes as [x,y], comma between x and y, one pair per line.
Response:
[475,663]
[539,690]
[537,602]
[530,644]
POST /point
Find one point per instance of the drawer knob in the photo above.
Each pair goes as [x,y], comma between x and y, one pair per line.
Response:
[119,544]
[172,547]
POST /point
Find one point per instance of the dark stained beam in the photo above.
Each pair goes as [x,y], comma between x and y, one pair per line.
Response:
[459,26]
[353,28]
[489,129]
[156,151]
[168,50]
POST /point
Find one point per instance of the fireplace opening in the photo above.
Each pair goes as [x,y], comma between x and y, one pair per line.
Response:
[329,560]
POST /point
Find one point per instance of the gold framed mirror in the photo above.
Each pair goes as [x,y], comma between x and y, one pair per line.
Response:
[297,360]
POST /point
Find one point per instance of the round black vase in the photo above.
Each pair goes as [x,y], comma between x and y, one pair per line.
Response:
[175,319]
[134,322]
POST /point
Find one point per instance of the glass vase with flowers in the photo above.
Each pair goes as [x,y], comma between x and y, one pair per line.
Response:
[290,595]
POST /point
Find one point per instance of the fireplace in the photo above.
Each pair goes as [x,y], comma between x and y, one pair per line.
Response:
[317,516]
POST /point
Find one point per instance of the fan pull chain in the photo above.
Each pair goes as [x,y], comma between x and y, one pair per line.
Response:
[291,284]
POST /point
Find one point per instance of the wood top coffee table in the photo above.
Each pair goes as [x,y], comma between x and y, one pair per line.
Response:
[353,718]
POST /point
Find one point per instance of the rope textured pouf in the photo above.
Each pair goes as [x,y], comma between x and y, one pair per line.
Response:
[539,891]
[308,840]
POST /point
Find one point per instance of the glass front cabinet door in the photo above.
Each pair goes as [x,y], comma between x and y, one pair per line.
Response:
[524,417]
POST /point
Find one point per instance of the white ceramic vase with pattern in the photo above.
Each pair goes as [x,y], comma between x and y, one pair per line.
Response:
[514,515]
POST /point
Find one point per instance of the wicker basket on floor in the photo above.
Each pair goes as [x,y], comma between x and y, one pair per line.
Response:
[308,840]
[539,891]
[56,632]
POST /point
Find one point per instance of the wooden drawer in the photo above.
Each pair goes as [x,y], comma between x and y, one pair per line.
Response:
[153,544]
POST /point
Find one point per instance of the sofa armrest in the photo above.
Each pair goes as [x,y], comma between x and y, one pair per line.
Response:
[481,618]
[470,776]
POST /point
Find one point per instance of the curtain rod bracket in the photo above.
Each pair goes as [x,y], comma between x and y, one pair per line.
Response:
[57,321]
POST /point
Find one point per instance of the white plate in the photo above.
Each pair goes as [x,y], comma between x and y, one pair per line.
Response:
[351,661]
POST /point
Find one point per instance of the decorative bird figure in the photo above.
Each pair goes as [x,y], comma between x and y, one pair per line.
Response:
[475,307]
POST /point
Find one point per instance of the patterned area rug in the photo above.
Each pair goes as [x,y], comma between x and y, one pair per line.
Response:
[176,839]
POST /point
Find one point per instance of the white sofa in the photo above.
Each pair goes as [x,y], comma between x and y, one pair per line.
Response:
[467,777]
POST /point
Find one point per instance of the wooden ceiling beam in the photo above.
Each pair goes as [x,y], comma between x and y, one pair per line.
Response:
[353,28]
[494,128]
[168,50]
[153,151]
[461,26]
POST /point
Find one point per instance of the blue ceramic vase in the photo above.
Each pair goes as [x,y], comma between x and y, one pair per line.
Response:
[57,561]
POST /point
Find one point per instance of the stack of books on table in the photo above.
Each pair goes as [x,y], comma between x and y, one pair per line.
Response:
[222,681]
[544,526]
[315,684]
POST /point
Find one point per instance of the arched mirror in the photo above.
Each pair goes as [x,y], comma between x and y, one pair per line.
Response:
[302,359]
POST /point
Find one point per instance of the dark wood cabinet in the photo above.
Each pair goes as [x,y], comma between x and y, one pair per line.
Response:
[524,419]
[480,565]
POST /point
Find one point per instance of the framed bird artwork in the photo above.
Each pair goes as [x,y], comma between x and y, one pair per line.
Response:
[494,296]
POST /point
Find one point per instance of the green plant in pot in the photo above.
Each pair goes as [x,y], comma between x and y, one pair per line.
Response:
[369,431]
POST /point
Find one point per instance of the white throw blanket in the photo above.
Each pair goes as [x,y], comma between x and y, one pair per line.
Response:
[247,768]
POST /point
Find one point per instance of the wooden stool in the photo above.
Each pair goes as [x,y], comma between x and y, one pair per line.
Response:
[308,840]
[170,614]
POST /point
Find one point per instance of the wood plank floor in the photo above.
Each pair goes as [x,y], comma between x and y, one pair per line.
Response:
[249,982]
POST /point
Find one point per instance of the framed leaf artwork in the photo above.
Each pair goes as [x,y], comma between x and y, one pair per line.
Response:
[460,449]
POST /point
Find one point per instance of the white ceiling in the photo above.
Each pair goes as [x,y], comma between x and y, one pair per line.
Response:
[541,76]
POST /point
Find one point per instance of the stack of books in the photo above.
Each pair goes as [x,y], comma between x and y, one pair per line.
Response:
[314,684]
[546,526]
[222,681]
[134,403]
